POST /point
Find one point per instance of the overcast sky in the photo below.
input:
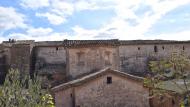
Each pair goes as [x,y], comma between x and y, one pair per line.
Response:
[43,20]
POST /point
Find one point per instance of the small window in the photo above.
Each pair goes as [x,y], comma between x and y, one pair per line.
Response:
[81,58]
[163,47]
[183,48]
[173,102]
[71,95]
[139,48]
[109,80]
[155,49]
[107,58]
[57,48]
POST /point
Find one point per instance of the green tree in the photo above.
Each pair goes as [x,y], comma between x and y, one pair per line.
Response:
[170,74]
[21,91]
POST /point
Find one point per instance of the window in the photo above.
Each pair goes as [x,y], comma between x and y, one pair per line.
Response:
[81,58]
[71,95]
[183,48]
[155,49]
[57,48]
[163,47]
[109,80]
[173,102]
[107,58]
[139,48]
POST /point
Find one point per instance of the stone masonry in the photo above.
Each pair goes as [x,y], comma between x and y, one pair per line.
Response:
[62,61]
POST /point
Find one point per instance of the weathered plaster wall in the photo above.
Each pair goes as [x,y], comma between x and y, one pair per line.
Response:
[20,57]
[51,62]
[64,98]
[121,92]
[135,58]
[53,55]
[90,59]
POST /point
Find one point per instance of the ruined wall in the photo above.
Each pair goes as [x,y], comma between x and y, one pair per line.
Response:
[90,59]
[51,61]
[121,92]
[20,57]
[135,58]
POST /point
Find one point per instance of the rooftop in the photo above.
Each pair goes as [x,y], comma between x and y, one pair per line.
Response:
[86,78]
[81,43]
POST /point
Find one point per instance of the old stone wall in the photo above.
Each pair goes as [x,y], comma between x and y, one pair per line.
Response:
[68,62]
[90,59]
[51,62]
[20,57]
[135,58]
[121,92]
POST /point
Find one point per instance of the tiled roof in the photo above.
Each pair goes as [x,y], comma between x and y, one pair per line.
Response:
[136,42]
[76,43]
[109,42]
[86,78]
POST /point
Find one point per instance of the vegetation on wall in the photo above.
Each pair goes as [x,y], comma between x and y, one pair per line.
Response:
[170,75]
[21,91]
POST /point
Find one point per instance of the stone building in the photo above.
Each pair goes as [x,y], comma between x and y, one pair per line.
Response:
[79,63]
[105,88]
[62,61]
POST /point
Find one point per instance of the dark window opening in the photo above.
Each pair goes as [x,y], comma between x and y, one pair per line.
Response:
[139,48]
[57,48]
[163,47]
[109,80]
[71,95]
[173,102]
[155,49]
[183,48]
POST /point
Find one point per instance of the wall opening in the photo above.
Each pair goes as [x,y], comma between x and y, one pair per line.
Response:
[139,48]
[81,58]
[109,80]
[163,47]
[71,95]
[183,48]
[107,58]
[173,102]
[155,49]
[57,48]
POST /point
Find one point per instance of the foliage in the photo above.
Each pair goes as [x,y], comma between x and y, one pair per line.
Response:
[170,74]
[21,91]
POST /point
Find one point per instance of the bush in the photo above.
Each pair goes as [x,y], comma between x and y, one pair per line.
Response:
[21,91]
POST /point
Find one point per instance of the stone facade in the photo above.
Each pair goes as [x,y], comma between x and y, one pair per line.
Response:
[62,61]
[87,60]
[50,62]
[96,90]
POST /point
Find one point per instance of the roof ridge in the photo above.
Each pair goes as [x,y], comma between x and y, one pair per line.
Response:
[94,75]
